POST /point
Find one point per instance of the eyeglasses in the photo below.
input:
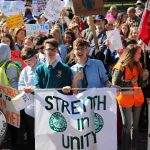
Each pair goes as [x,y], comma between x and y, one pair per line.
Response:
[39,48]
[50,49]
[80,49]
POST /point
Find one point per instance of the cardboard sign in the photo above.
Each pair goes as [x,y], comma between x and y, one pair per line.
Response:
[15,21]
[7,107]
[88,7]
[37,29]
[10,8]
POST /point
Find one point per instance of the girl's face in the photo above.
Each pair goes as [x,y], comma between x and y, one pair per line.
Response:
[76,31]
[21,35]
[134,34]
[28,43]
[124,18]
[137,55]
[6,40]
[55,35]
[5,28]
[68,38]
[124,29]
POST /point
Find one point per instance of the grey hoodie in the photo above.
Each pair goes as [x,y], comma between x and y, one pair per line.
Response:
[12,72]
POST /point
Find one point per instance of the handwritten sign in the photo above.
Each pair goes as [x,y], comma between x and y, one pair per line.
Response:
[52,12]
[37,29]
[15,21]
[38,6]
[22,100]
[10,8]
[7,107]
[112,36]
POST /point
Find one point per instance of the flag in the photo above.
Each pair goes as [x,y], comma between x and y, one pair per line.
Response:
[144,29]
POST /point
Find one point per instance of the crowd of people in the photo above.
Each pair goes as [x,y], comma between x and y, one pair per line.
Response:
[67,59]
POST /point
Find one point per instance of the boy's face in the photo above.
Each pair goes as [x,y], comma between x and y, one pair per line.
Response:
[81,52]
[31,61]
[50,51]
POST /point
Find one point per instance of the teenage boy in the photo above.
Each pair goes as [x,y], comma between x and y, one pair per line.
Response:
[53,73]
[26,83]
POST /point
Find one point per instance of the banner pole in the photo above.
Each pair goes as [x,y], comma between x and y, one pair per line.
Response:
[92,26]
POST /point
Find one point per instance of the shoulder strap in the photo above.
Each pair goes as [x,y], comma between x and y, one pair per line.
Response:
[7,64]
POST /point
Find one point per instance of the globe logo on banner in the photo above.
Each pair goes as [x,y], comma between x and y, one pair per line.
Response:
[98,122]
[57,122]
[3,126]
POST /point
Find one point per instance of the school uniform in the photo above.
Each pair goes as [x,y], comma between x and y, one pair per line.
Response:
[56,75]
[95,73]
[26,79]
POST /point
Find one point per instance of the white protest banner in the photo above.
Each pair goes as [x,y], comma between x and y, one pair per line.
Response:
[22,100]
[53,9]
[114,39]
[7,107]
[86,121]
[10,8]
[37,29]
[38,6]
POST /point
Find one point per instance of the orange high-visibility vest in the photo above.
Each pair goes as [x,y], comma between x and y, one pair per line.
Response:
[129,100]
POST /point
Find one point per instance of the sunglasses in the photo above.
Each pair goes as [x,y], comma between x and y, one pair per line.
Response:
[39,48]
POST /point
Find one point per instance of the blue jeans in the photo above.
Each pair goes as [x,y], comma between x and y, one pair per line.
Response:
[130,121]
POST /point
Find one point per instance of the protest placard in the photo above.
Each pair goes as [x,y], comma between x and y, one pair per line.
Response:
[52,12]
[37,29]
[38,6]
[88,7]
[15,21]
[7,107]
[113,43]
[23,100]
[84,121]
[10,8]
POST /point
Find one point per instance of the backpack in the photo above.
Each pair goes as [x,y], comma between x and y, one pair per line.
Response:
[15,63]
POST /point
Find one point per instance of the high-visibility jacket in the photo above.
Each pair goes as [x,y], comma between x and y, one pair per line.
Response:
[129,100]
[3,76]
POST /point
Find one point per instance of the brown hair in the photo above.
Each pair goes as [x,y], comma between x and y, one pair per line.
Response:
[80,42]
[127,57]
[27,53]
[12,43]
[16,31]
[52,41]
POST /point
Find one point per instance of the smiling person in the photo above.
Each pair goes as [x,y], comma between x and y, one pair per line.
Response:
[86,68]
[7,39]
[53,73]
